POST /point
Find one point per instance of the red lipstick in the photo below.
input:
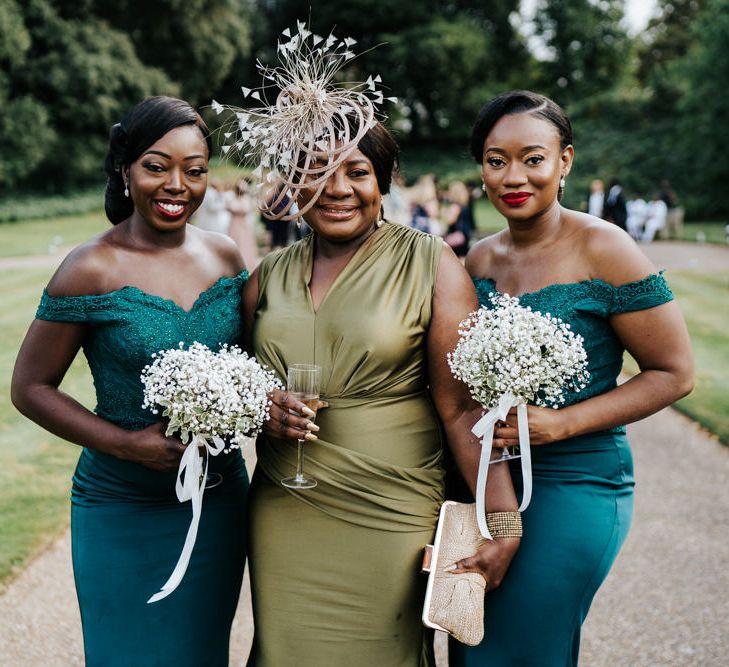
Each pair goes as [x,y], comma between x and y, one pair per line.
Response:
[516,198]
[170,209]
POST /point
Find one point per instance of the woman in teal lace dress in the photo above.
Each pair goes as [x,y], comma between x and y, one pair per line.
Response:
[593,276]
[145,285]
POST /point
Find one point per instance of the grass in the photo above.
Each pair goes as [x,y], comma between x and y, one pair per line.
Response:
[35,467]
[41,236]
[33,206]
[712,232]
[699,295]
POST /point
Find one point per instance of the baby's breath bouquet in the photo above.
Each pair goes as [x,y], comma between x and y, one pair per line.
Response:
[509,355]
[208,398]
[209,395]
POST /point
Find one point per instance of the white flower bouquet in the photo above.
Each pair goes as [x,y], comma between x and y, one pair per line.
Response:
[208,397]
[509,355]
[511,349]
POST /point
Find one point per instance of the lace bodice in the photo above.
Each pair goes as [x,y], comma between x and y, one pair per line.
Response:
[587,307]
[128,325]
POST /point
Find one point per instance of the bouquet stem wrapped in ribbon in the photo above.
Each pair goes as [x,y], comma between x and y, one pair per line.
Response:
[510,356]
[207,396]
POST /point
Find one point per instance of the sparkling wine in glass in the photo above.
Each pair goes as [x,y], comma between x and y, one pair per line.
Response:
[303,385]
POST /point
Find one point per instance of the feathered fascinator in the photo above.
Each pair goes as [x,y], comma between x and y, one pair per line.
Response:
[314,124]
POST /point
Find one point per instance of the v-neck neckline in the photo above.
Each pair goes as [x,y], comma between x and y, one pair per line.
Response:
[354,259]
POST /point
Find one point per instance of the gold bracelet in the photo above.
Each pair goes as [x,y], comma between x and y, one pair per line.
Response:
[504,524]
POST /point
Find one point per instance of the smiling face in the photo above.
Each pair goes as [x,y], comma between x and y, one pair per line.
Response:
[167,182]
[349,205]
[523,163]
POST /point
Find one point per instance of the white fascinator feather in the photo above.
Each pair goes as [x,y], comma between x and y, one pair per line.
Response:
[301,138]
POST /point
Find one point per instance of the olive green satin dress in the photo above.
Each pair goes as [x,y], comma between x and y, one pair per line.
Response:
[335,569]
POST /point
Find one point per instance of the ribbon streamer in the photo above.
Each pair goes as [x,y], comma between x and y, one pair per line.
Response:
[190,485]
[484,429]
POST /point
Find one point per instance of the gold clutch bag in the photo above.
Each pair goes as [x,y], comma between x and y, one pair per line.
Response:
[454,603]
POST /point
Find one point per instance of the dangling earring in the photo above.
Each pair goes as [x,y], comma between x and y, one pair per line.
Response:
[483,186]
[298,223]
[126,190]
[562,182]
[381,217]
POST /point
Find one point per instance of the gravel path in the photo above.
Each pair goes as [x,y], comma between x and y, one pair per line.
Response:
[664,604]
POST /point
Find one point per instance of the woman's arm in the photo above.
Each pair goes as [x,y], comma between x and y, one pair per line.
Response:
[453,299]
[43,360]
[289,418]
[656,337]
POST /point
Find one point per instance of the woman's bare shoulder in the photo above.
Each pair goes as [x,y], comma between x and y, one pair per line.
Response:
[613,256]
[86,270]
[481,254]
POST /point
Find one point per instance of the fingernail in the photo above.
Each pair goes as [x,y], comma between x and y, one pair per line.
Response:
[450,568]
[308,412]
[310,436]
[312,426]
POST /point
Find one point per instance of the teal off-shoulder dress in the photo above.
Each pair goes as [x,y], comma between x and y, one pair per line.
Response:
[127,525]
[582,498]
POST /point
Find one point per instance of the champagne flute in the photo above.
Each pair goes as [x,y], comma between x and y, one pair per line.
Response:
[303,385]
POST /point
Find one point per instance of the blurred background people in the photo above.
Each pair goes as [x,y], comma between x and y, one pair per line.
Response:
[596,200]
[655,219]
[458,217]
[614,210]
[635,221]
[242,226]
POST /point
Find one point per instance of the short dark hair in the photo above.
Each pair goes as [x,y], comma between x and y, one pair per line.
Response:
[518,101]
[380,148]
[143,125]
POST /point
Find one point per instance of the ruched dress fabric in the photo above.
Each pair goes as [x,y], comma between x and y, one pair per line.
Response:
[335,570]
[127,525]
[582,498]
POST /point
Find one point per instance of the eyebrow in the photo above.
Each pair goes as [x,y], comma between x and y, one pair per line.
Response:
[526,149]
[358,160]
[169,157]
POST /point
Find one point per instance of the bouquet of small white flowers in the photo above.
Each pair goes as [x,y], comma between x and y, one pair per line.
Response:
[511,349]
[211,395]
[508,356]
[207,397]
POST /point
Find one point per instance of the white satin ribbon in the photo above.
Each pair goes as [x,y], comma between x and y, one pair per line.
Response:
[190,485]
[484,429]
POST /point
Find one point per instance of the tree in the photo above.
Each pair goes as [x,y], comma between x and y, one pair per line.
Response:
[702,130]
[65,84]
[667,37]
[195,42]
[25,130]
[586,45]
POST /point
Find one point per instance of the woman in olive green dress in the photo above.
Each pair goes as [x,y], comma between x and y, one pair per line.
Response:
[335,569]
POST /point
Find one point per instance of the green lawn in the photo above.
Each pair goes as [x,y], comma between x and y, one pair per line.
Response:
[35,467]
[41,236]
[702,298]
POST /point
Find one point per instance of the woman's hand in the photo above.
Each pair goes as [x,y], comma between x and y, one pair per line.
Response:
[290,418]
[153,449]
[545,425]
[491,561]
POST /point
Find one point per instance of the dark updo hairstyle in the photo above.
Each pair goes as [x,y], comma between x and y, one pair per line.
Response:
[142,126]
[518,101]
